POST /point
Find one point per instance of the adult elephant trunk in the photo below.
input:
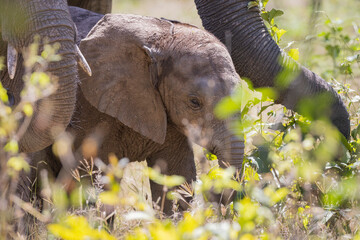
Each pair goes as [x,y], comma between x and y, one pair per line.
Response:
[51,21]
[257,57]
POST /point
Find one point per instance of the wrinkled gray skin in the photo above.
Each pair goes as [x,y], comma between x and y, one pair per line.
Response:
[20,21]
[18,28]
[154,87]
[256,56]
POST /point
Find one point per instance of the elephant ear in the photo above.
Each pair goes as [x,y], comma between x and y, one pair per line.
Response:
[122,83]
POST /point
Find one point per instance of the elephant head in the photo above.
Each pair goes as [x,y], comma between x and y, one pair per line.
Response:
[149,73]
[257,57]
[20,21]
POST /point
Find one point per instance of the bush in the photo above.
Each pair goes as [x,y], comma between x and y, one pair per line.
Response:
[300,177]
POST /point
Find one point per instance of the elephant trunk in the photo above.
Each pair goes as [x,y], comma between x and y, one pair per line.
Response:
[228,147]
[229,150]
[257,57]
[50,20]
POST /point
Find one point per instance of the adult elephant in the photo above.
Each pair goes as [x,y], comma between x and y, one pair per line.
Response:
[20,21]
[257,57]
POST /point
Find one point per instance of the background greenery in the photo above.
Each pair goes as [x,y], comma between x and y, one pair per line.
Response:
[300,179]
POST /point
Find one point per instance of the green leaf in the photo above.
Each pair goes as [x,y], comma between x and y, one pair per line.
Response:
[209,155]
[12,147]
[268,94]
[250,174]
[294,53]
[109,197]
[190,223]
[252,4]
[269,16]
[77,227]
[237,102]
[169,181]
[60,198]
[18,163]
[3,94]
[355,132]
[264,3]
[265,16]
[28,109]
[278,32]
[40,78]
[226,107]
[333,50]
[163,230]
[215,173]
[279,195]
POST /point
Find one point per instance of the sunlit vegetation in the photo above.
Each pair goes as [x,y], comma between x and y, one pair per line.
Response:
[300,177]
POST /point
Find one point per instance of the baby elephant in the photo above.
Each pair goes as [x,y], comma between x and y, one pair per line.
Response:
[154,86]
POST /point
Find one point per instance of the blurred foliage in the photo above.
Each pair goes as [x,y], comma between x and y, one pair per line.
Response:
[300,177]
[13,121]
[77,227]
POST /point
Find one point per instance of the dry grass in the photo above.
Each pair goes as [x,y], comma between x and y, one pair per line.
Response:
[296,21]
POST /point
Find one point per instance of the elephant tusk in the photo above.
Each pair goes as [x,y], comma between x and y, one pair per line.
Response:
[12,57]
[82,61]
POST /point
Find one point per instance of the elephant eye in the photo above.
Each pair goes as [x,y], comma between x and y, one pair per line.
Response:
[195,103]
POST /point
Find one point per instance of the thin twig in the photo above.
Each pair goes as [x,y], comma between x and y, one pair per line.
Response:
[29,209]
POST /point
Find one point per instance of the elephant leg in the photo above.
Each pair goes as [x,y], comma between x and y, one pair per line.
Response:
[175,158]
[41,162]
[23,220]
[29,186]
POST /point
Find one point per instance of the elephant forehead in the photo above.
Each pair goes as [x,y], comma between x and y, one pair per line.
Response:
[200,63]
[192,65]
[201,85]
[200,67]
